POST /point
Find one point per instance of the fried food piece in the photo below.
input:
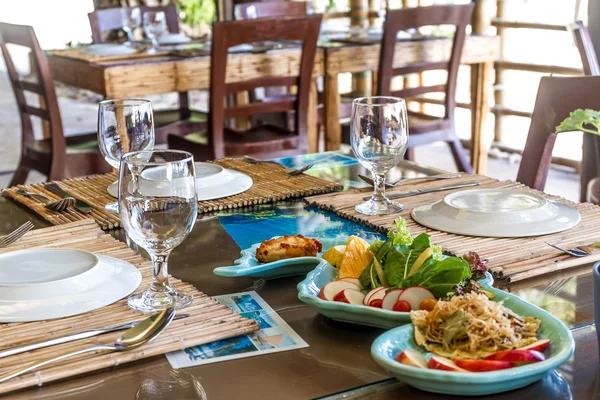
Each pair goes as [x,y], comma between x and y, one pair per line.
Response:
[287,247]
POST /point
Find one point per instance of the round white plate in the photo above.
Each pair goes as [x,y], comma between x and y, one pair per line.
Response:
[238,183]
[496,213]
[121,279]
[108,50]
[173,38]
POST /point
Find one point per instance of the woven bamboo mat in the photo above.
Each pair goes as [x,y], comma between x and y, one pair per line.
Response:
[208,320]
[78,54]
[270,184]
[512,259]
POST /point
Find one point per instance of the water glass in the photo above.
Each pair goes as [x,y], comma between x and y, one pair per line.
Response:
[158,207]
[379,136]
[597,300]
[131,18]
[123,126]
[155,25]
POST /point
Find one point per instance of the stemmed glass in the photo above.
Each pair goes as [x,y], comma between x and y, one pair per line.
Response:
[123,126]
[131,18]
[379,135]
[158,206]
[155,25]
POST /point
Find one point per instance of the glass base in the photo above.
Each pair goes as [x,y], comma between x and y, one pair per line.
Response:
[379,207]
[151,301]
[112,207]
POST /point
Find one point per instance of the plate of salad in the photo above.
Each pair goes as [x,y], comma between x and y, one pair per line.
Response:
[378,284]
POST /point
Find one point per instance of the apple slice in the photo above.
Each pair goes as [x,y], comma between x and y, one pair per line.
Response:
[356,281]
[329,291]
[517,356]
[391,298]
[412,358]
[541,345]
[350,296]
[371,293]
[444,364]
[415,295]
[482,365]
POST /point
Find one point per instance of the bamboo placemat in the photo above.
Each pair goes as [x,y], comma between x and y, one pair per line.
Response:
[208,320]
[271,184]
[78,54]
[512,259]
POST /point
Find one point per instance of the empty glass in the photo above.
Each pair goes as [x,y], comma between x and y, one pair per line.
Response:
[123,126]
[131,18]
[379,135]
[158,207]
[155,25]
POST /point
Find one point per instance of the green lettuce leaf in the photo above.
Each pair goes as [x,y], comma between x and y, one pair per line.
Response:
[399,259]
[401,236]
[439,277]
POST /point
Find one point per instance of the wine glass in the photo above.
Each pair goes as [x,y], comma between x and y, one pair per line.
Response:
[123,126]
[158,207]
[131,18]
[379,135]
[155,25]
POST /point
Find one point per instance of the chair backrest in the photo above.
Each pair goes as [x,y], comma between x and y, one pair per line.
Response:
[109,19]
[406,18]
[270,9]
[584,44]
[557,97]
[232,33]
[42,85]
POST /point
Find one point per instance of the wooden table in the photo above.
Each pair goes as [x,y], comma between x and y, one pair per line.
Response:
[479,52]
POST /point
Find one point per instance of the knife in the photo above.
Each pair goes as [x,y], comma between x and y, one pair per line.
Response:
[71,338]
[408,193]
[419,178]
[79,204]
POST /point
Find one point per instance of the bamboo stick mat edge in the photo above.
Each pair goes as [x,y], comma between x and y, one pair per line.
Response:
[208,321]
[510,259]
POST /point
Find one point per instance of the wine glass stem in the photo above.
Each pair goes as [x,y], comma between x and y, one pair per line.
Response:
[160,283]
[379,188]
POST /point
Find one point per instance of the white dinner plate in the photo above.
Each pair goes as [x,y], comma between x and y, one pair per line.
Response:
[496,213]
[173,38]
[114,280]
[108,49]
[238,183]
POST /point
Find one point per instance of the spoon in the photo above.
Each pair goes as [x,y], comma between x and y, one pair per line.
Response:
[134,337]
[421,178]
[55,205]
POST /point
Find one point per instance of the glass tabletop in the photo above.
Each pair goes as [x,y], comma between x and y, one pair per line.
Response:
[337,363]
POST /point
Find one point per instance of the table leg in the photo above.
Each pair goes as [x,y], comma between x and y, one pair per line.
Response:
[480,88]
[312,131]
[333,130]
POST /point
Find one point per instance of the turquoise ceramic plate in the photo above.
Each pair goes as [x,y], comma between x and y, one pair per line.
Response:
[387,346]
[308,291]
[248,265]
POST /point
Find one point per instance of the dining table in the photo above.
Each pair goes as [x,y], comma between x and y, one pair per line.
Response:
[139,75]
[338,363]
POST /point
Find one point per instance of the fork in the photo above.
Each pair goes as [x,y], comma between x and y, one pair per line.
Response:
[294,172]
[579,251]
[554,288]
[16,234]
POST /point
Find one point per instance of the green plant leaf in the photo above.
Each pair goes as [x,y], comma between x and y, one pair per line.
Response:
[439,277]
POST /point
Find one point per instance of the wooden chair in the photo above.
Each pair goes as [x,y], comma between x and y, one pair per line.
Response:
[590,168]
[264,140]
[425,129]
[54,156]
[270,9]
[108,19]
[556,98]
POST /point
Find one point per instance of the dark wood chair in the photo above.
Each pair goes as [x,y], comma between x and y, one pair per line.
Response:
[54,156]
[425,129]
[557,97]
[263,140]
[270,9]
[109,19]
[590,166]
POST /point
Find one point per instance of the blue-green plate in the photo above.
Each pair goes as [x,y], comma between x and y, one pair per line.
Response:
[248,265]
[308,292]
[387,346]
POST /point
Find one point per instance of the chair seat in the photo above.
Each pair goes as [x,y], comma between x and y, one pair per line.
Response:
[78,147]
[422,123]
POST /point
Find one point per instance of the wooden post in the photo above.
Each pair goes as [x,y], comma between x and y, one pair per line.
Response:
[359,17]
[333,131]
[313,132]
[499,80]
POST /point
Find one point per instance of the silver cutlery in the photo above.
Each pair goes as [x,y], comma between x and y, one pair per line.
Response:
[78,336]
[16,234]
[289,171]
[421,178]
[134,337]
[408,193]
[79,204]
[294,171]
[54,205]
[252,160]
[579,251]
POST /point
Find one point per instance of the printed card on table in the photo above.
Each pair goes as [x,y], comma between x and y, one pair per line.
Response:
[274,335]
